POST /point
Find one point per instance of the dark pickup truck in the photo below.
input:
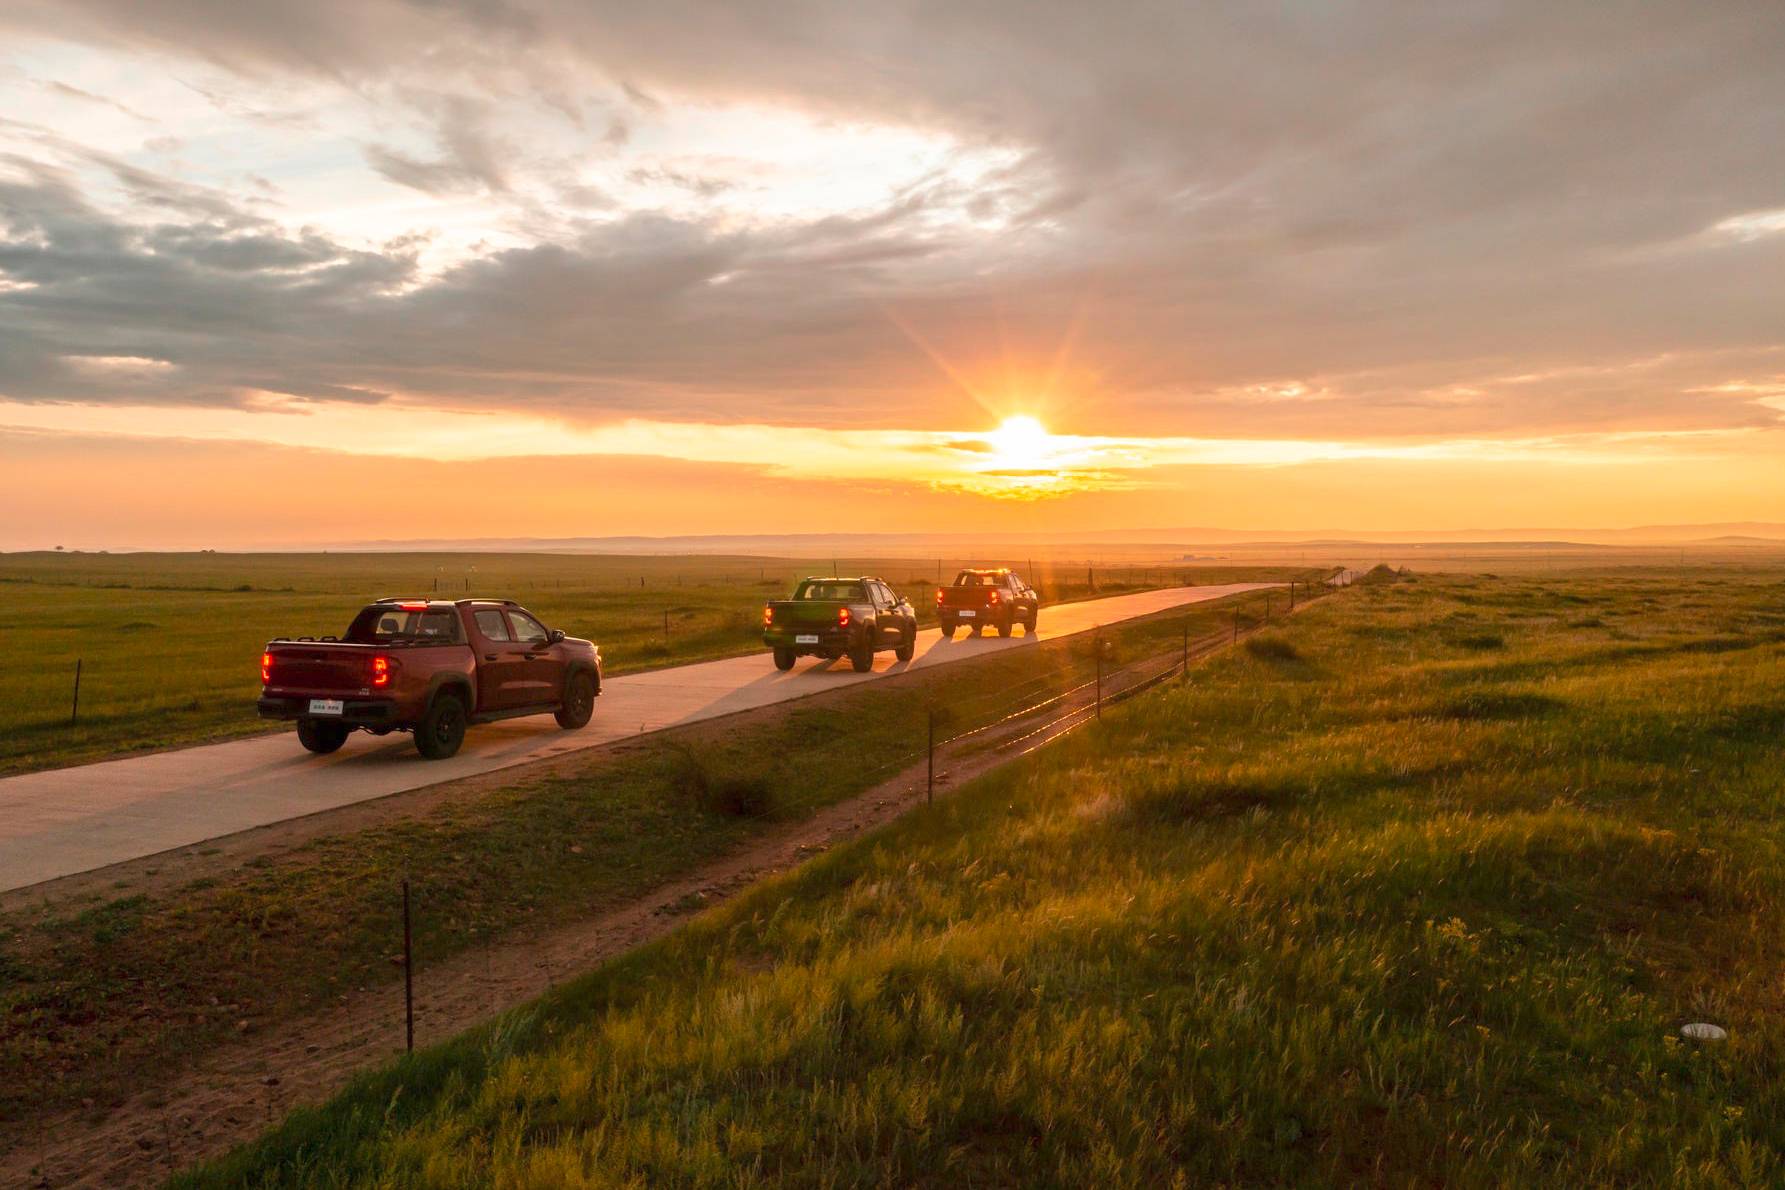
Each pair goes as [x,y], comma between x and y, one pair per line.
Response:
[840,617]
[429,667]
[978,598]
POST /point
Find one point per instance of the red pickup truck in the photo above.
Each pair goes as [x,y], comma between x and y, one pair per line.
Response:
[987,598]
[429,667]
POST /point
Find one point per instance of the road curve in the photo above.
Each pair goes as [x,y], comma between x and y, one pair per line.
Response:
[65,821]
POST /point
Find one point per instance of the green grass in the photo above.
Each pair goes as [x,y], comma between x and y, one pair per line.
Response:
[110,992]
[169,644]
[1398,910]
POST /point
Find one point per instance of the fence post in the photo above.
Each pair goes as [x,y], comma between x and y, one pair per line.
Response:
[74,712]
[1291,594]
[666,628]
[1236,625]
[1098,641]
[1186,650]
[929,796]
[408,977]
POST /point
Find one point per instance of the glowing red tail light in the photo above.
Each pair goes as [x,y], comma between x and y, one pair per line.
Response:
[938,596]
[768,616]
[266,669]
[842,617]
[992,598]
[381,668]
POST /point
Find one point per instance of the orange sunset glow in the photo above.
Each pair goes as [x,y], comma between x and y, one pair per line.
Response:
[801,304]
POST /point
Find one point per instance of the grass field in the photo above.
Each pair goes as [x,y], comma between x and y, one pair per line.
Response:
[112,990]
[169,644]
[1417,889]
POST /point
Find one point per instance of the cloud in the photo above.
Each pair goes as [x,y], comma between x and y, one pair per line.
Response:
[1401,208]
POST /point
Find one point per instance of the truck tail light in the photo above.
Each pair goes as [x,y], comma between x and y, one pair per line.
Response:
[842,617]
[768,616]
[992,598]
[938,596]
[266,669]
[381,670]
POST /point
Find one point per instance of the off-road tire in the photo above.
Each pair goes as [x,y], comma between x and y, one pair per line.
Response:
[908,650]
[578,706]
[322,737]
[783,659]
[1006,627]
[1029,624]
[442,729]
[861,660]
[948,632]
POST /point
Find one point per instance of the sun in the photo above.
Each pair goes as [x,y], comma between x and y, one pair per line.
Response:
[1020,443]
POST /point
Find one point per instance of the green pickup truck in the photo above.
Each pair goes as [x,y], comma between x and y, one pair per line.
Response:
[840,617]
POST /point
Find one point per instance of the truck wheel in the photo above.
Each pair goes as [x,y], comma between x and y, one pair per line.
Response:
[908,650]
[1006,627]
[320,737]
[783,659]
[1029,624]
[862,660]
[579,702]
[948,631]
[442,729]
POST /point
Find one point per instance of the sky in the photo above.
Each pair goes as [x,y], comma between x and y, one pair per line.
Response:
[277,274]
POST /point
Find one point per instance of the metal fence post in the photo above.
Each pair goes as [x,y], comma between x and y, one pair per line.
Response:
[408,977]
[74,712]
[1099,643]
[929,796]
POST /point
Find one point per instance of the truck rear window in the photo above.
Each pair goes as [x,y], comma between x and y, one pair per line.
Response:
[968,579]
[834,592]
[384,624]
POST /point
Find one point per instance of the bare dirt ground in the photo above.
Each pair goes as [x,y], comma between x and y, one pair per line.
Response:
[231,1095]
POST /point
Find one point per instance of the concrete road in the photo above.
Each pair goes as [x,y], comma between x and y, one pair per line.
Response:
[73,820]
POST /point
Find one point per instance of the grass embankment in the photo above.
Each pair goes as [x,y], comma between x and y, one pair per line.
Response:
[169,644]
[1420,893]
[101,995]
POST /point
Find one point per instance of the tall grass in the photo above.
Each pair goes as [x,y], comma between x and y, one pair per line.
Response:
[1295,925]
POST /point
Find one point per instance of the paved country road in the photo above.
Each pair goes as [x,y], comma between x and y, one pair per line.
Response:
[66,821]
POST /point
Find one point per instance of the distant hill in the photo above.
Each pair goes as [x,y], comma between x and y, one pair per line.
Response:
[1754,534]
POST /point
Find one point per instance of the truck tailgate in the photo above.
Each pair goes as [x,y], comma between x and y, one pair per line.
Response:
[321,666]
[805,613]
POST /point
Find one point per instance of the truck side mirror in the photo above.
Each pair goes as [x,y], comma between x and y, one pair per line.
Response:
[554,636]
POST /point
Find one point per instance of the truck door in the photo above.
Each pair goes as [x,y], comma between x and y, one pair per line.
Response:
[500,661]
[542,669]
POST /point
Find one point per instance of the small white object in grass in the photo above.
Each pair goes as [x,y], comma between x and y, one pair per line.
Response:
[1701,1031]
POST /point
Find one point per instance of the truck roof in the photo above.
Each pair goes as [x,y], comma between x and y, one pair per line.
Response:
[431,602]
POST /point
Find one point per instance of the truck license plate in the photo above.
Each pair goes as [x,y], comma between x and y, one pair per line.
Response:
[806,638]
[326,706]
[967,615]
